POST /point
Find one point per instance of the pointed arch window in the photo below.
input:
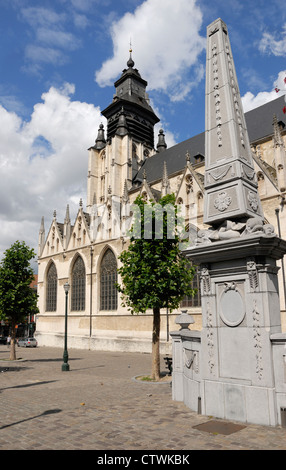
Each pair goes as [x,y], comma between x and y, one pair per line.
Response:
[51,289]
[193,301]
[78,285]
[108,279]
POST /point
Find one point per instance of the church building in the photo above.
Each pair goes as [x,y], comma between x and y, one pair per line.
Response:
[125,162]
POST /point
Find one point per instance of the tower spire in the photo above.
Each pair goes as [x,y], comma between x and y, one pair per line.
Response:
[67,217]
[121,124]
[130,93]
[130,62]
[67,228]
[100,142]
[41,242]
[161,145]
[165,181]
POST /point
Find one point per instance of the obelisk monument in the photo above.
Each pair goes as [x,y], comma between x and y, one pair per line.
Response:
[234,372]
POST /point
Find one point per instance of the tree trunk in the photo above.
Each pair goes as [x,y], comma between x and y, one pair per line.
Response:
[13,343]
[155,375]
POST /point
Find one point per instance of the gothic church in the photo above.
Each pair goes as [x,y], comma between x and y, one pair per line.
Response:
[124,163]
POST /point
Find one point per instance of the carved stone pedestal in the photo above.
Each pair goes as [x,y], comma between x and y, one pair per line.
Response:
[241,312]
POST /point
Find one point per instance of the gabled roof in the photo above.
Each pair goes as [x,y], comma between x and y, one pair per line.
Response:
[259,123]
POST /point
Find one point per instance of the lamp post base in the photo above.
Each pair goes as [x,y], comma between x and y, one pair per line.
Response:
[65,365]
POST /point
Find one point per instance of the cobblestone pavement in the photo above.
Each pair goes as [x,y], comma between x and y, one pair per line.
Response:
[99,405]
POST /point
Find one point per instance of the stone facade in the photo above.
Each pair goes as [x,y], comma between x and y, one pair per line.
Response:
[121,165]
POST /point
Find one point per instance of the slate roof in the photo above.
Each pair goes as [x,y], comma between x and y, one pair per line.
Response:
[259,123]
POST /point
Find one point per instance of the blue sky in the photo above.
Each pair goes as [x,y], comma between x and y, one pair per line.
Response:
[59,60]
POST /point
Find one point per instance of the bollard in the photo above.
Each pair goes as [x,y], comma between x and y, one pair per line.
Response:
[283,417]
[199,406]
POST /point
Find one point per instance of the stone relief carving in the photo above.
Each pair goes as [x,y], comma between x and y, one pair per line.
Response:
[216,94]
[191,360]
[206,280]
[213,31]
[269,230]
[233,229]
[204,237]
[250,174]
[215,67]
[235,93]
[189,184]
[253,200]
[228,229]
[210,339]
[257,340]
[230,286]
[255,225]
[252,273]
[222,201]
[220,173]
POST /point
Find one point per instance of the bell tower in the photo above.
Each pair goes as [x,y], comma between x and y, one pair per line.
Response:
[119,153]
[132,102]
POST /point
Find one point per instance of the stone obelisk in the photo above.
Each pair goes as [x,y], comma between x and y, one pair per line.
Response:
[230,369]
[230,181]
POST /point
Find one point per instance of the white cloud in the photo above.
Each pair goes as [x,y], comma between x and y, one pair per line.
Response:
[56,38]
[269,44]
[86,5]
[250,101]
[80,21]
[48,55]
[40,16]
[49,42]
[36,178]
[166,44]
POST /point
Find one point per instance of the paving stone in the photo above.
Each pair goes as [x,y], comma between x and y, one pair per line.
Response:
[42,408]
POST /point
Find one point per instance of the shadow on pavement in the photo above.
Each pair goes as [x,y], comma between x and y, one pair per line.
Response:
[45,413]
[12,369]
[56,359]
[29,385]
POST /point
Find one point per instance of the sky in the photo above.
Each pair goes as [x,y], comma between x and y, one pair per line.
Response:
[59,60]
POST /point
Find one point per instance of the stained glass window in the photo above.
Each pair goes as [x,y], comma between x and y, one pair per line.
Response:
[108,278]
[51,289]
[78,285]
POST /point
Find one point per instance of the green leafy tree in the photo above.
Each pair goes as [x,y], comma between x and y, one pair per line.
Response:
[17,299]
[154,272]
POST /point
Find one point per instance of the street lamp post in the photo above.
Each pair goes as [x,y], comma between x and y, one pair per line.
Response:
[65,366]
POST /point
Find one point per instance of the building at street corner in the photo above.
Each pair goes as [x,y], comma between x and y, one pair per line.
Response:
[123,162]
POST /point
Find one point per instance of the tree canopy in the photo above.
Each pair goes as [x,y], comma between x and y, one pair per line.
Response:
[154,273]
[17,299]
